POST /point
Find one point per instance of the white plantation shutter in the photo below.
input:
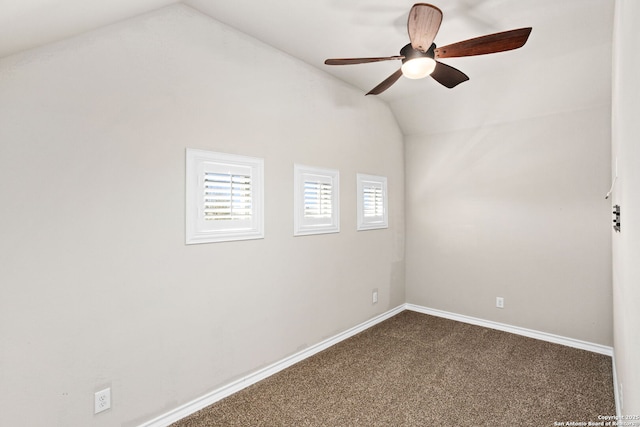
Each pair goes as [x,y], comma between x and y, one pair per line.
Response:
[224,197]
[227,197]
[316,200]
[372,202]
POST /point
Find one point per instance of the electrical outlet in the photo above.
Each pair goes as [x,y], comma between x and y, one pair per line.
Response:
[374,297]
[499,302]
[102,400]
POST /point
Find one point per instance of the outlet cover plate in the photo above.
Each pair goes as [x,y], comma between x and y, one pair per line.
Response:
[102,400]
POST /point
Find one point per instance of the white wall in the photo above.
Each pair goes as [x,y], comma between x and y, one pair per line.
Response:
[626,244]
[515,210]
[97,286]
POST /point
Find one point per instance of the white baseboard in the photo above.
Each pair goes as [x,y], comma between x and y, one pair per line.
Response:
[235,386]
[616,390]
[544,336]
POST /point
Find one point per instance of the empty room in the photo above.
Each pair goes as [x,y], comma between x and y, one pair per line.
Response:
[329,213]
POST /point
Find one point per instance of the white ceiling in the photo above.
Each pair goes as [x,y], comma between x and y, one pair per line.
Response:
[564,66]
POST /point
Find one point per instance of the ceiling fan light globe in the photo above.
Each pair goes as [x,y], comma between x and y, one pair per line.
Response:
[418,68]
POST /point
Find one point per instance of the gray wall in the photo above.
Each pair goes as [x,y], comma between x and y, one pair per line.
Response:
[97,286]
[515,210]
[626,244]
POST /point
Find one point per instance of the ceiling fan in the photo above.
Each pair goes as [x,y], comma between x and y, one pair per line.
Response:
[419,56]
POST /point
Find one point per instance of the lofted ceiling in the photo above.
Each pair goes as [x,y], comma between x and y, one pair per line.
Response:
[564,66]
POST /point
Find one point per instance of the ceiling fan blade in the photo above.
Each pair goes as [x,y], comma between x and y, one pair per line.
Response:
[386,84]
[448,76]
[349,61]
[423,25]
[492,43]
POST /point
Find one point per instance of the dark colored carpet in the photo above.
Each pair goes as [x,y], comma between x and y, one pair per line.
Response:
[419,370]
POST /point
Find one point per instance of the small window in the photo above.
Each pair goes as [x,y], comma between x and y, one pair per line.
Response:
[224,197]
[316,200]
[372,202]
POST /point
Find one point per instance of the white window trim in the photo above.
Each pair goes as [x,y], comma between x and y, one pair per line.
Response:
[198,230]
[305,225]
[365,222]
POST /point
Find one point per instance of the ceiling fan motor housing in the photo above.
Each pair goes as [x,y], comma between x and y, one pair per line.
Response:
[410,53]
